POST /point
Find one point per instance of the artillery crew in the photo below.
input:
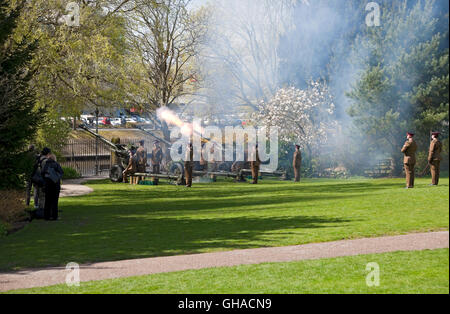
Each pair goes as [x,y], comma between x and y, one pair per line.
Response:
[434,158]
[255,164]
[409,160]
[141,157]
[297,162]
[189,165]
[132,165]
[157,157]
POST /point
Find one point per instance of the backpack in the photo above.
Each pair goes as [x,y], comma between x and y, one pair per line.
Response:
[37,176]
[54,175]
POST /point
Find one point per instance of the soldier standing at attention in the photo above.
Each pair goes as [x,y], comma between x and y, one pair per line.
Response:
[434,158]
[157,157]
[212,165]
[189,165]
[141,156]
[297,163]
[409,150]
[255,164]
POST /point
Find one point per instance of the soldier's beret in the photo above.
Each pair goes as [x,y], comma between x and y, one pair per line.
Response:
[410,134]
[436,133]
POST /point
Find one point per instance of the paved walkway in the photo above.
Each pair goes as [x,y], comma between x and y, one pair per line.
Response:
[71,188]
[139,267]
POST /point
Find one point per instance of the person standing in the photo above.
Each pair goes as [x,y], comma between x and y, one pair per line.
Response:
[157,157]
[189,165]
[297,162]
[31,162]
[434,158]
[255,164]
[131,169]
[409,160]
[39,183]
[141,157]
[212,165]
[52,173]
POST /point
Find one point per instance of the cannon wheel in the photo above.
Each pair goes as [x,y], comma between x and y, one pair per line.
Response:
[225,166]
[177,169]
[116,174]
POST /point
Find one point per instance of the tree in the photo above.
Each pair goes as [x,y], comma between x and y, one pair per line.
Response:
[404,85]
[165,37]
[18,117]
[302,116]
[241,62]
[78,66]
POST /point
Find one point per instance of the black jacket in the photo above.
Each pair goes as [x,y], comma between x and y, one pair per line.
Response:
[48,164]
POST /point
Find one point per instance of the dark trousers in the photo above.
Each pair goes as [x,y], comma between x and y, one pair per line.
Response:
[188,174]
[410,175]
[255,174]
[297,174]
[435,171]
[156,170]
[52,191]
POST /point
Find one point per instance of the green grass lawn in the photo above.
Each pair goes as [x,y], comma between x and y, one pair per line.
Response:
[403,272]
[120,221]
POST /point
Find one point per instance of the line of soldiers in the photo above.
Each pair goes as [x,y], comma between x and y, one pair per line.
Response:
[256,164]
[434,158]
[138,161]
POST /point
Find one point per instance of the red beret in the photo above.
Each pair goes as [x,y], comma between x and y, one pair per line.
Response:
[436,133]
[410,134]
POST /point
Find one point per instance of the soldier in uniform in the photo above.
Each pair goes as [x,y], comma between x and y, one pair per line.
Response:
[409,150]
[132,165]
[297,162]
[212,165]
[189,165]
[203,161]
[157,157]
[434,158]
[141,157]
[255,164]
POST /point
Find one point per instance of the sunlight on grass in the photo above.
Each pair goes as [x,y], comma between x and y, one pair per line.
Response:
[120,221]
[403,272]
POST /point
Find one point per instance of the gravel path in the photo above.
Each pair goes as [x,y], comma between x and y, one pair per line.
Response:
[71,188]
[120,269]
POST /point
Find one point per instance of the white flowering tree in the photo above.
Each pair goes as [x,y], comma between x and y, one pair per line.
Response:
[304,117]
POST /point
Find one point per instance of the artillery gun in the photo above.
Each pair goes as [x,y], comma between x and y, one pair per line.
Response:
[121,155]
[175,170]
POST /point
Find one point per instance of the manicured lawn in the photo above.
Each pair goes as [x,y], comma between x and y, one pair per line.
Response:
[120,221]
[403,272]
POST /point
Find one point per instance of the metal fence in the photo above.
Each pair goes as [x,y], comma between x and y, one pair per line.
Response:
[83,155]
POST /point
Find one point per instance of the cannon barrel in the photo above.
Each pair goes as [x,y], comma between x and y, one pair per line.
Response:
[154,135]
[119,149]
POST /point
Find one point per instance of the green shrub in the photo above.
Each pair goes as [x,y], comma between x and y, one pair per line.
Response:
[70,173]
[3,229]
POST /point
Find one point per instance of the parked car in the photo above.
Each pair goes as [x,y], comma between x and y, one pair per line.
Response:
[131,120]
[105,121]
[116,122]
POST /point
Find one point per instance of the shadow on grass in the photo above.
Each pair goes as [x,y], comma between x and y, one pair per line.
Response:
[128,237]
[123,222]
